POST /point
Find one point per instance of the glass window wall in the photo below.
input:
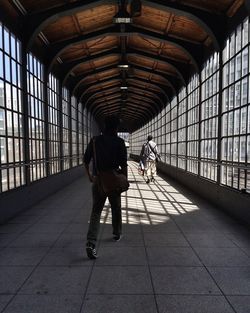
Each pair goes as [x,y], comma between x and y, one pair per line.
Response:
[236,110]
[12,173]
[190,136]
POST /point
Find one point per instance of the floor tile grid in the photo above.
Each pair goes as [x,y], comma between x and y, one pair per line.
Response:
[203,265]
[228,298]
[48,213]
[51,247]
[225,233]
[207,270]
[105,216]
[145,250]
[17,234]
[148,265]
[245,250]
[194,251]
[28,213]
[173,202]
[33,270]
[7,303]
[86,289]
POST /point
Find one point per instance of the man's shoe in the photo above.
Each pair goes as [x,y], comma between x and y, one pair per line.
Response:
[147,181]
[117,237]
[152,179]
[91,251]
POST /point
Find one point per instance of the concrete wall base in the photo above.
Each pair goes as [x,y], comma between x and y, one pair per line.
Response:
[233,202]
[17,200]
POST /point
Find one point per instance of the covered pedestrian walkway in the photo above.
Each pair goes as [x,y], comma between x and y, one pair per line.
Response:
[177,70]
[178,254]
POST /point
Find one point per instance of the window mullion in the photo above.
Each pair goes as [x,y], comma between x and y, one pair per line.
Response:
[25,115]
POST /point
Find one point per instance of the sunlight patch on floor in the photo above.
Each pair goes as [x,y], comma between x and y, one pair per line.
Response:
[149,204]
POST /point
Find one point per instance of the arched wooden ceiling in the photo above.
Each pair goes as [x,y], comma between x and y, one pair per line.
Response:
[164,45]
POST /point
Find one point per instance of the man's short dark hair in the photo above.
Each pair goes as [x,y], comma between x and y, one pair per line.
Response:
[111,122]
[150,137]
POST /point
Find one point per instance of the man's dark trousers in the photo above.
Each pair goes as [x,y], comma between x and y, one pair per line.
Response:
[99,199]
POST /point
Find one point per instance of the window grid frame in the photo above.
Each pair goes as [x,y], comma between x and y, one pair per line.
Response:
[13,113]
[33,93]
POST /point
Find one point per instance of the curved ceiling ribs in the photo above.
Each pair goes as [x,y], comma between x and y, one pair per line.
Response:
[145,111]
[37,22]
[147,96]
[163,46]
[193,51]
[147,104]
[134,111]
[181,69]
[157,86]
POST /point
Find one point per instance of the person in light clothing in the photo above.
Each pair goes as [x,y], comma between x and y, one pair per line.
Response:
[149,153]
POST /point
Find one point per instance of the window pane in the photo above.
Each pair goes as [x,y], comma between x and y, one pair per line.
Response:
[6,41]
[7,68]
[1,36]
[1,64]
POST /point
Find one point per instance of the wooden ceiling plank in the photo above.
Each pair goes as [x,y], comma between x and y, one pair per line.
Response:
[193,52]
[234,7]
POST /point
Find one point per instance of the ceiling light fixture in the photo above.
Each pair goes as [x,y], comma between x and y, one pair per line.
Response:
[123,66]
[122,16]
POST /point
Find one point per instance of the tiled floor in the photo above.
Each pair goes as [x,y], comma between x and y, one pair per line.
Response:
[178,255]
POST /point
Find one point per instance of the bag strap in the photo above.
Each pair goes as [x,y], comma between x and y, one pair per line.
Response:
[152,149]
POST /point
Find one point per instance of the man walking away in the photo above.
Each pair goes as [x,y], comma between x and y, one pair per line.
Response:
[148,156]
[110,153]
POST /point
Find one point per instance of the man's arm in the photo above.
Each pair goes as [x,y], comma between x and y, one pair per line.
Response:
[91,179]
[88,155]
[142,151]
[156,149]
[123,159]
[124,171]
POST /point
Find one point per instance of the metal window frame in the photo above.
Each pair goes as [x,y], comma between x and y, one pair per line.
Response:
[228,166]
[14,172]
